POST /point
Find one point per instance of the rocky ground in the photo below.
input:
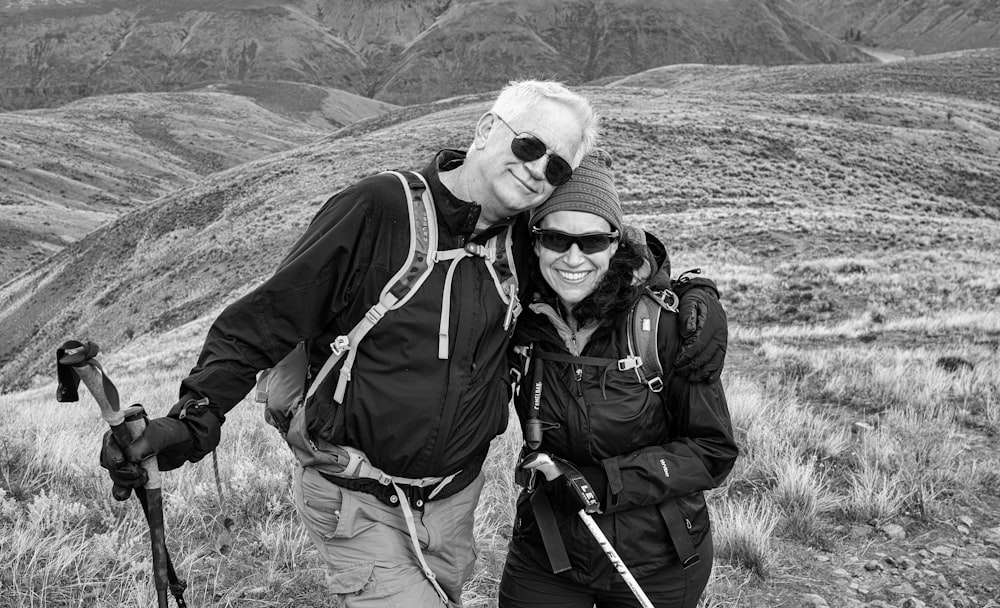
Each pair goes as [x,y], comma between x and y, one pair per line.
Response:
[948,558]
[951,563]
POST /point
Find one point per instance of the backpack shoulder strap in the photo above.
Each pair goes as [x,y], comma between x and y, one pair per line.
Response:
[399,288]
[282,386]
[504,272]
[643,323]
[423,242]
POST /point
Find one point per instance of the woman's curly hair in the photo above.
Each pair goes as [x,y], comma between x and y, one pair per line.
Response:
[613,296]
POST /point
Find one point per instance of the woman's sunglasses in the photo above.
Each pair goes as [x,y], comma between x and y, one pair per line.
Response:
[526,147]
[560,242]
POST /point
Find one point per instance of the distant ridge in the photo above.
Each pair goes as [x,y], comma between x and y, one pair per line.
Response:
[399,51]
[920,26]
[979,77]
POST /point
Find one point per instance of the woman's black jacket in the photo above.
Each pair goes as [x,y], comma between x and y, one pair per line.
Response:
[638,448]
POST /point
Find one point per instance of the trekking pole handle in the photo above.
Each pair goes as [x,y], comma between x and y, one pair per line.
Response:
[93,379]
[543,463]
[125,428]
[135,422]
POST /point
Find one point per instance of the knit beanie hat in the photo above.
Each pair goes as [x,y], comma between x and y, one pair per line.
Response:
[591,189]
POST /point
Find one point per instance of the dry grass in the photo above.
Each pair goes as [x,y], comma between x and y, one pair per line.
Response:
[67,542]
[743,536]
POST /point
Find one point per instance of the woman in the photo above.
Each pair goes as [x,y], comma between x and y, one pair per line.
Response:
[647,456]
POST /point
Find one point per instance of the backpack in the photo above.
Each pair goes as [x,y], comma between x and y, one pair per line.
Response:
[644,317]
[643,322]
[284,388]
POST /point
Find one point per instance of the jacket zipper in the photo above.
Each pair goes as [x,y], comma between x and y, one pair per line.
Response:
[578,369]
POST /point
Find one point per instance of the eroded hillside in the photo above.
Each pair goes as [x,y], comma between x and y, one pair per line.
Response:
[730,180]
[920,26]
[392,50]
[66,171]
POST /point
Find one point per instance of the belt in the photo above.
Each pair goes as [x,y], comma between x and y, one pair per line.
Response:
[417,496]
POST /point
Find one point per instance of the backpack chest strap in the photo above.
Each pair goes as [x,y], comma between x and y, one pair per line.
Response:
[576,359]
[506,290]
[628,363]
[455,256]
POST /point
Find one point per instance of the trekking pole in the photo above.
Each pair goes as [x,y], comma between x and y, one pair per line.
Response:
[616,560]
[552,470]
[76,362]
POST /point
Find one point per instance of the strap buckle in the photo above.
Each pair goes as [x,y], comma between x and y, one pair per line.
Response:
[629,362]
[416,496]
[340,345]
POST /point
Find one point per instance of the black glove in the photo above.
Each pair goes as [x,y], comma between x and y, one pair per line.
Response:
[704,330]
[168,438]
[567,486]
[189,432]
[567,499]
[125,475]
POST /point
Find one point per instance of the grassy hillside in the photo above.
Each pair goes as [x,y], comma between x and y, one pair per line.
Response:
[855,236]
[316,106]
[696,162]
[69,170]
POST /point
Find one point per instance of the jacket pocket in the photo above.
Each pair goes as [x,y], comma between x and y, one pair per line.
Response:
[627,414]
[695,512]
[641,536]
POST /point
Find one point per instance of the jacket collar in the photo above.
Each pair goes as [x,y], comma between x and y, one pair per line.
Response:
[459,216]
[575,341]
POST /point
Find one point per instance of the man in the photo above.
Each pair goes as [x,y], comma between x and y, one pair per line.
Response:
[422,413]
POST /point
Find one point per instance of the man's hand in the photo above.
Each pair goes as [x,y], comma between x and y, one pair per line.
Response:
[704,330]
[125,475]
[168,438]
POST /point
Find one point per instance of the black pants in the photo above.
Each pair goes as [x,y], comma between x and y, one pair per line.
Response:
[525,586]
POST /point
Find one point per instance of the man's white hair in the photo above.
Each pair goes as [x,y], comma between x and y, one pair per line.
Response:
[519,96]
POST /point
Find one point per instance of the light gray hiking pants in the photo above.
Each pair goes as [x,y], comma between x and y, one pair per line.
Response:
[367,548]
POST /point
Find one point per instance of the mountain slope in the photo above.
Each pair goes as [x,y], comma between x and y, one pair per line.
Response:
[972,74]
[923,26]
[66,171]
[394,50]
[756,178]
[69,52]
[315,106]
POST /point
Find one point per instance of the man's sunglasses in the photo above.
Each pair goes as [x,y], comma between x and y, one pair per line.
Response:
[527,147]
[560,242]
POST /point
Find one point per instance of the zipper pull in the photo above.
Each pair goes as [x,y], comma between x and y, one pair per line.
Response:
[512,305]
[199,404]
[686,276]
